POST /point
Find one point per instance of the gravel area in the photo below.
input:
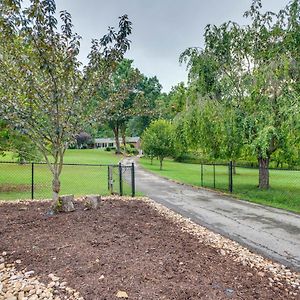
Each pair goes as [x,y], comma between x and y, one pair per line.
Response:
[21,284]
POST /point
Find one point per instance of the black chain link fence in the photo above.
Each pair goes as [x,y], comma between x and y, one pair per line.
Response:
[34,180]
[243,181]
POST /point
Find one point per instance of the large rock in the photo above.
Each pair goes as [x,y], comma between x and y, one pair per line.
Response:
[64,204]
[92,201]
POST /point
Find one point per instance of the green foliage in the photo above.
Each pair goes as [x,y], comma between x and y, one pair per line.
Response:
[119,99]
[4,136]
[24,150]
[244,87]
[158,140]
[151,89]
[130,149]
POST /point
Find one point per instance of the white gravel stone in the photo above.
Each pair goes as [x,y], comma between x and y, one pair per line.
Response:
[20,285]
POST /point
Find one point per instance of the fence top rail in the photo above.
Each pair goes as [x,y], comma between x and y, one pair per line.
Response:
[249,167]
[214,164]
[65,164]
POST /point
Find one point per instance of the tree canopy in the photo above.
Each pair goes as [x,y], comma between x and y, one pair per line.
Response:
[158,140]
[245,83]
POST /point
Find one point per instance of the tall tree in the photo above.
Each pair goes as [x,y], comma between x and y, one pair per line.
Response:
[43,89]
[151,89]
[257,70]
[119,99]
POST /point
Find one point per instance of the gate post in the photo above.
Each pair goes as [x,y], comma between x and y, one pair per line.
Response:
[132,180]
[110,180]
[120,179]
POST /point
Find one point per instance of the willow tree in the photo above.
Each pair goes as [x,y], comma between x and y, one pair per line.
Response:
[43,89]
[257,73]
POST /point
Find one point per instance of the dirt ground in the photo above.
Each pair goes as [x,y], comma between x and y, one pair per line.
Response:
[127,246]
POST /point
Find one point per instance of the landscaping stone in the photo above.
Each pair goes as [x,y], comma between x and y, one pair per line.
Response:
[92,201]
[20,285]
[122,294]
[66,203]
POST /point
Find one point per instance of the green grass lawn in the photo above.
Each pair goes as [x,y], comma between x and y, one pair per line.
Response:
[15,179]
[284,192]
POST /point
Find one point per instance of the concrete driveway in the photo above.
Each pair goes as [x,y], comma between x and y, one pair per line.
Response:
[274,233]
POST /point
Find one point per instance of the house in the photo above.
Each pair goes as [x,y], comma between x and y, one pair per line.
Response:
[111,143]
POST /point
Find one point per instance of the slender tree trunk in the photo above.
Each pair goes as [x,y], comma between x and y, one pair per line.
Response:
[116,134]
[56,171]
[123,133]
[55,187]
[151,158]
[263,173]
[160,163]
[234,167]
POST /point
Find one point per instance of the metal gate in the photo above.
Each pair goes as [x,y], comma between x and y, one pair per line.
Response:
[121,179]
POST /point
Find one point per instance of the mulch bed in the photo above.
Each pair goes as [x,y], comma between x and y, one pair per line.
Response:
[127,246]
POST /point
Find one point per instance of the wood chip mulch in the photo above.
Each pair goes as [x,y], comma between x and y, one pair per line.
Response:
[138,249]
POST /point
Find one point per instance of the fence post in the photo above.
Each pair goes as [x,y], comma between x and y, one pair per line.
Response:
[32,181]
[120,179]
[132,180]
[230,177]
[201,174]
[214,166]
[108,179]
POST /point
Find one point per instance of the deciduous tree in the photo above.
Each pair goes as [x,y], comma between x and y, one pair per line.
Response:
[158,140]
[253,70]
[43,89]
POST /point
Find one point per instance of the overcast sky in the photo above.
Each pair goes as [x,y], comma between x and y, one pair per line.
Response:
[162,29]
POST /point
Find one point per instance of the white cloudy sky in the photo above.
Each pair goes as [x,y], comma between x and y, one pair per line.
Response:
[162,29]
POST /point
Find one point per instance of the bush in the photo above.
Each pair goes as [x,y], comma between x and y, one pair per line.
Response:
[133,151]
[129,149]
[108,149]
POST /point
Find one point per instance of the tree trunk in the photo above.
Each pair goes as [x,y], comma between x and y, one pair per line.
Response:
[55,188]
[263,173]
[123,133]
[160,163]
[151,158]
[55,192]
[234,167]
[116,134]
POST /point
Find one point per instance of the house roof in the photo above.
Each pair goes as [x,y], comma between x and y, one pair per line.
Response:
[133,139]
[104,140]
